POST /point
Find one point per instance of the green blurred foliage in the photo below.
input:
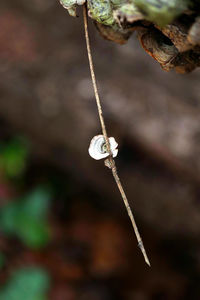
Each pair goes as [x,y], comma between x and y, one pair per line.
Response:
[13,157]
[26,284]
[27,218]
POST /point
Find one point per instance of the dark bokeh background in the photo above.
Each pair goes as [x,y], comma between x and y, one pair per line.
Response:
[65,234]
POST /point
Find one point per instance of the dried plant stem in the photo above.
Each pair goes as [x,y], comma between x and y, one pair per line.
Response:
[111,161]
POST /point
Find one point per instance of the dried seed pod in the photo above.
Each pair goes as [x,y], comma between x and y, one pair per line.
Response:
[97,148]
[114,33]
[158,47]
[194,32]
[177,32]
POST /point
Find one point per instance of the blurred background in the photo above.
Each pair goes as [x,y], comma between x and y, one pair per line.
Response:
[64,232]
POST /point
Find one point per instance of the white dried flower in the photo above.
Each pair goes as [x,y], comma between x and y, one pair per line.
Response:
[97,148]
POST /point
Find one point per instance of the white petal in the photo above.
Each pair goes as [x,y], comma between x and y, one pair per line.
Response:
[113,143]
[115,152]
[96,148]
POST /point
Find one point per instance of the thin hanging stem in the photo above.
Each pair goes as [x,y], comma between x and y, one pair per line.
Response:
[111,161]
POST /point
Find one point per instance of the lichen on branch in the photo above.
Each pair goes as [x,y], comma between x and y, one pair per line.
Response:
[167,29]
